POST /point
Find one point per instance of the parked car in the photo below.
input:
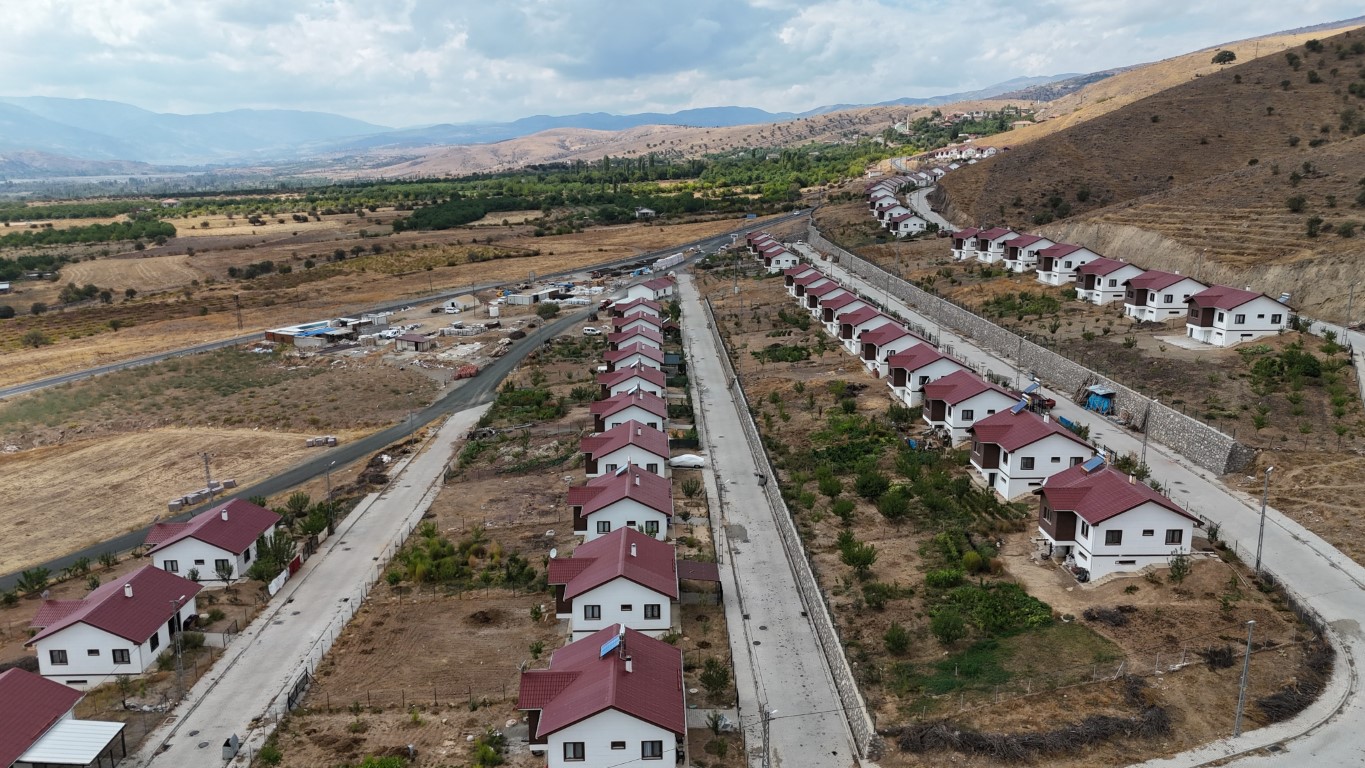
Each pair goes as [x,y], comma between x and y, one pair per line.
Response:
[591,331]
[687,461]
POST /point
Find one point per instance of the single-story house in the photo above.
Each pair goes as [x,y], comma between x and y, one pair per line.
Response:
[653,289]
[629,497]
[1155,296]
[633,405]
[830,309]
[1224,316]
[638,377]
[629,443]
[632,355]
[964,243]
[1015,450]
[804,283]
[911,369]
[1097,518]
[852,324]
[1101,281]
[817,294]
[632,306]
[885,213]
[990,244]
[624,577]
[216,545]
[880,343]
[1057,264]
[40,729]
[414,342]
[614,698]
[118,629]
[636,320]
[1021,253]
[784,260]
[955,402]
[800,270]
[638,335]
[908,223]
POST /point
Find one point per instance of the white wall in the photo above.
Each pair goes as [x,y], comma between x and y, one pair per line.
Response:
[634,359]
[1064,269]
[188,551]
[912,394]
[599,731]
[1102,559]
[832,328]
[609,598]
[634,383]
[78,639]
[636,413]
[643,341]
[1157,308]
[1109,288]
[885,351]
[780,263]
[981,405]
[1012,480]
[626,512]
[639,322]
[631,454]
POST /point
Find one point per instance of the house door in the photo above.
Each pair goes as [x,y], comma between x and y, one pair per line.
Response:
[990,479]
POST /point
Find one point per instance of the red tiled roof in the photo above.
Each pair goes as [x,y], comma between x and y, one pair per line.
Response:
[652,566]
[244,524]
[651,321]
[916,357]
[581,683]
[1060,249]
[652,375]
[1100,495]
[898,218]
[963,234]
[958,386]
[640,302]
[756,234]
[601,492]
[885,334]
[1013,431]
[840,301]
[1223,297]
[798,270]
[1102,266]
[658,283]
[648,333]
[822,290]
[644,350]
[131,618]
[1155,279]
[808,279]
[630,432]
[859,316]
[29,705]
[995,233]
[773,246]
[616,403]
[1024,241]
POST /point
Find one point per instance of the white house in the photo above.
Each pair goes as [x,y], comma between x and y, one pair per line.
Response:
[886,213]
[1057,264]
[1101,281]
[640,377]
[964,244]
[805,282]
[635,405]
[624,577]
[40,729]
[990,244]
[852,324]
[911,369]
[1224,316]
[1098,519]
[757,235]
[633,306]
[614,698]
[955,402]
[831,308]
[1021,253]
[653,289]
[634,355]
[636,320]
[1016,450]
[629,497]
[800,270]
[1155,296]
[880,343]
[213,544]
[908,223]
[784,260]
[118,629]
[817,294]
[628,443]
[645,336]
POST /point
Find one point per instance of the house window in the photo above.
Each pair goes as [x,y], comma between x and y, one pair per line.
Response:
[990,412]
[1076,460]
[1175,536]
[968,414]
[612,467]
[1239,319]
[653,611]
[1168,298]
[627,607]
[1113,538]
[652,750]
[198,562]
[1261,316]
[120,655]
[1148,532]
[1221,316]
[1026,462]
[573,751]
[92,652]
[221,565]
[171,565]
[618,745]
[592,612]
[1125,562]
[630,524]
[1276,319]
[604,526]
[652,527]
[246,555]
[1085,529]
[652,468]
[1048,517]
[57,657]
[1113,283]
[1056,459]
[155,641]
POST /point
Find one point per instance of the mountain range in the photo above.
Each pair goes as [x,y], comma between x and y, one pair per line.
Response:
[106,133]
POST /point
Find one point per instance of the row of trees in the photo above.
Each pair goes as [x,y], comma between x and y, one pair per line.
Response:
[141,228]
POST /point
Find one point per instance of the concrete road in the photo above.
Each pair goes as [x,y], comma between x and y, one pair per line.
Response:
[304,618]
[918,201]
[1321,576]
[778,662]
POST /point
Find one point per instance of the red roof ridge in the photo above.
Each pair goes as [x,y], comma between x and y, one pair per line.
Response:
[244,523]
[134,618]
[1012,431]
[30,704]
[1102,494]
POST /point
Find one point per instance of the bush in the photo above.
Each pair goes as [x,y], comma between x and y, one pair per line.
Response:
[947,626]
[897,639]
[1296,203]
[547,309]
[871,485]
[6,312]
[894,505]
[270,754]
[943,578]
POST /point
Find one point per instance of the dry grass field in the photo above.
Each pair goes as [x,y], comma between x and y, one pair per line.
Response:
[81,493]
[145,275]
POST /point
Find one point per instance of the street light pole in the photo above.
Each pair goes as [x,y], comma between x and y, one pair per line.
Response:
[1260,535]
[179,663]
[1146,427]
[1242,690]
[329,479]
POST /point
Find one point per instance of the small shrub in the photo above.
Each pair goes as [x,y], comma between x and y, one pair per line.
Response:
[948,626]
[897,639]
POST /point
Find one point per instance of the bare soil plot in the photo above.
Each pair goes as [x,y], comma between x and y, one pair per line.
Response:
[155,273]
[84,492]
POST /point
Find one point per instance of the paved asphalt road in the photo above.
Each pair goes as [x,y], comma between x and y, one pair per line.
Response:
[473,391]
[778,661]
[1328,733]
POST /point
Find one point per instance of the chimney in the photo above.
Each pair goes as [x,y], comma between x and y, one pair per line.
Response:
[632,549]
[1132,480]
[128,590]
[224,514]
[637,479]
[1047,417]
[637,432]
[629,666]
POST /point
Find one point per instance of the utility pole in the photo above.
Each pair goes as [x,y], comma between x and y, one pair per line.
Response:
[1146,427]
[767,743]
[1350,303]
[328,472]
[208,474]
[237,300]
[1242,690]
[1260,535]
[179,658]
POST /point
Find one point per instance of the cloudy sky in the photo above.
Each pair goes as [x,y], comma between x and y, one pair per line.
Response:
[408,62]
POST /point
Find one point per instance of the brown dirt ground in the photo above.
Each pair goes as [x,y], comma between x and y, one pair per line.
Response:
[155,273]
[1169,618]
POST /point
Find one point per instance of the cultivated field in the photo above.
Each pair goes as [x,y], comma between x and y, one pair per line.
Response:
[145,275]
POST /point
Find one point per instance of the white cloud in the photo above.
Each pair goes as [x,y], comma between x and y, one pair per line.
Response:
[402,62]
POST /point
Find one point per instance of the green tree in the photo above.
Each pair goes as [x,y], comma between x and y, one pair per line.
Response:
[897,639]
[715,678]
[860,556]
[33,581]
[6,311]
[547,309]
[1224,57]
[35,338]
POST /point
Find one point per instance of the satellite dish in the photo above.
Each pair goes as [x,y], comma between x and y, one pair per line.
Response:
[554,552]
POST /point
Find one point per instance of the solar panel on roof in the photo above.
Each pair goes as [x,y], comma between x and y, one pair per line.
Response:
[1093,464]
[609,646]
[1031,388]
[1019,406]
